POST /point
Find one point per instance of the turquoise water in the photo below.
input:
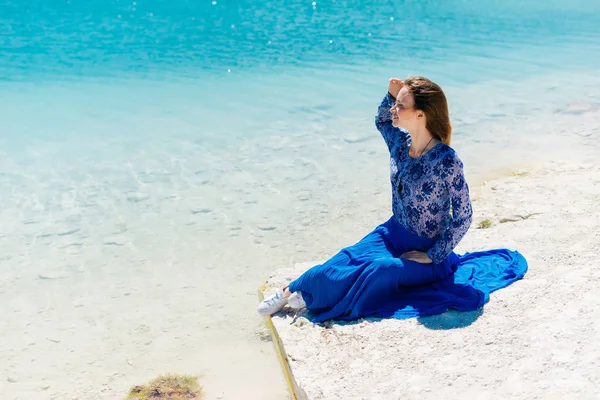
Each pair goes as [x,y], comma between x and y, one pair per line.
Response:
[160,159]
[52,39]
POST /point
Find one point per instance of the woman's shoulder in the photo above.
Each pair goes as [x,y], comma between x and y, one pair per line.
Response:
[445,151]
[447,157]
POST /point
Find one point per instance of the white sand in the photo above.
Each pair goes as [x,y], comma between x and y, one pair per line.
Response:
[537,338]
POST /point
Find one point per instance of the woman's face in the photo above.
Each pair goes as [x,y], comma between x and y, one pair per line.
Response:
[403,112]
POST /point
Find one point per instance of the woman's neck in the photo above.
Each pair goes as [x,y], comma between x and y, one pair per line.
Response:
[421,142]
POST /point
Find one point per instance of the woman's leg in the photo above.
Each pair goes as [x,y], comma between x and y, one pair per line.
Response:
[337,269]
[325,285]
[376,284]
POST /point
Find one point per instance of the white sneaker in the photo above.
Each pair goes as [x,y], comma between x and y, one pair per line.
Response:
[296,300]
[270,305]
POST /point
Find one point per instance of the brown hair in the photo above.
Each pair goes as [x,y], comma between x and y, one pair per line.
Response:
[430,99]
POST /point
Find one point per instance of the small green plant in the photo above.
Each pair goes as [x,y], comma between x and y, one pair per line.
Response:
[486,223]
[520,173]
[170,386]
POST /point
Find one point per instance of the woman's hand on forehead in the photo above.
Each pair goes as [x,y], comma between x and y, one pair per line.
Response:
[395,86]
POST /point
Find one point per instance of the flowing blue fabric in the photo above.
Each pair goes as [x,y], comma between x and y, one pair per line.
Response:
[369,279]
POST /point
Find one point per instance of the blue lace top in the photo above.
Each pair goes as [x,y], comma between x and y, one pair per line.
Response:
[430,196]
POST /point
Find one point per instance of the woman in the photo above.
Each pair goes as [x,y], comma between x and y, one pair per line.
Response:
[431,214]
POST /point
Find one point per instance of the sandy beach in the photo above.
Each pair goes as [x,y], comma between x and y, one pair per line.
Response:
[536,339]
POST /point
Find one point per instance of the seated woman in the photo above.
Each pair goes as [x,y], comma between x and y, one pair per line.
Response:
[431,214]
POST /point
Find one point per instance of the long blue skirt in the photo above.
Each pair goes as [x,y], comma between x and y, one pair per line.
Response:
[369,279]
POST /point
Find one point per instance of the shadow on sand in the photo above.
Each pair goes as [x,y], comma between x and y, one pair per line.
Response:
[451,319]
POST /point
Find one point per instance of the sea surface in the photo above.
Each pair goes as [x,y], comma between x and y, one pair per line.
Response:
[159,159]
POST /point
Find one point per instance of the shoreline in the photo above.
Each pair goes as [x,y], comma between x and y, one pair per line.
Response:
[519,345]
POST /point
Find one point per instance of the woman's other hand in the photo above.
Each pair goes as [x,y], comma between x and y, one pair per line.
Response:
[395,86]
[417,256]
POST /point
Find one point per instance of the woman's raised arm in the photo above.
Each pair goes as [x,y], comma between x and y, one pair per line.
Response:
[383,120]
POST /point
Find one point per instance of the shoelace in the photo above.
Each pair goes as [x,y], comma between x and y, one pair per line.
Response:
[274,299]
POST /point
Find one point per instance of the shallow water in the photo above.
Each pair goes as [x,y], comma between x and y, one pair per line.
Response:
[160,159]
